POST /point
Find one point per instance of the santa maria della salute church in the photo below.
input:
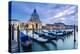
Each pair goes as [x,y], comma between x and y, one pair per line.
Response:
[34,22]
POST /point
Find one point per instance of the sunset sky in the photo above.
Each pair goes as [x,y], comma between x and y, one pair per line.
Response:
[49,13]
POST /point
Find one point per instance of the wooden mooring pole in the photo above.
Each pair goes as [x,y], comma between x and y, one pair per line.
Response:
[9,46]
[56,43]
[18,38]
[11,36]
[12,32]
[74,37]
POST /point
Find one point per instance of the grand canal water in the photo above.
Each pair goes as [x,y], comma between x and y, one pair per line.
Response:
[66,43]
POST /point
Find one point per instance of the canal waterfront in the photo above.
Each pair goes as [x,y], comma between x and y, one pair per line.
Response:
[61,44]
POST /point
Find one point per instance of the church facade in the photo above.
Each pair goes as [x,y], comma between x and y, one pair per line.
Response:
[34,22]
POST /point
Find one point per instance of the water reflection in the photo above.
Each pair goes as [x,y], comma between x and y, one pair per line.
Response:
[60,43]
[56,43]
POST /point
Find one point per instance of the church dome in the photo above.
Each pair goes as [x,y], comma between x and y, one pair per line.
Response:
[35,17]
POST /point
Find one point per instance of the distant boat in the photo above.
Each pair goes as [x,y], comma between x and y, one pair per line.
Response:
[63,32]
[58,32]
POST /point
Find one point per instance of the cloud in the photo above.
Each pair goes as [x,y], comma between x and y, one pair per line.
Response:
[65,11]
[65,15]
[48,13]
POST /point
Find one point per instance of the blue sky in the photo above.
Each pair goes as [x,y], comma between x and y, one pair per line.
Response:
[48,13]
